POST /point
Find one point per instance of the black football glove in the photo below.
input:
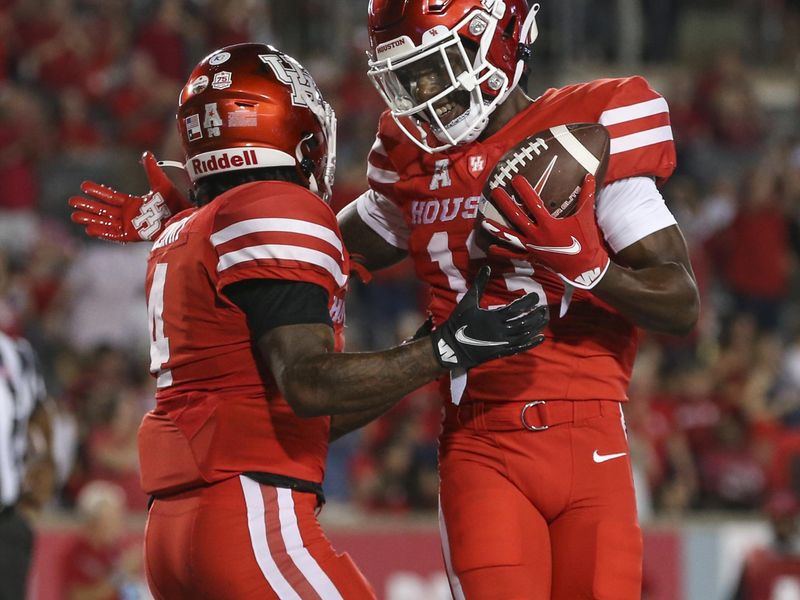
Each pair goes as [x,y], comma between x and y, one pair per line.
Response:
[473,335]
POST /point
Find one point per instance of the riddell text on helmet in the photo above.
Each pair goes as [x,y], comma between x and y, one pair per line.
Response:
[224,161]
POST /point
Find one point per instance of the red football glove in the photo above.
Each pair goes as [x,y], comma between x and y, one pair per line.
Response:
[111,215]
[570,247]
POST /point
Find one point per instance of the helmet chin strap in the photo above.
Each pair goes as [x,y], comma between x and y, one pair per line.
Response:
[171,163]
[528,34]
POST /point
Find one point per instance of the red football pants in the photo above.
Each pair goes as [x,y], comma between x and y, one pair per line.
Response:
[237,540]
[539,515]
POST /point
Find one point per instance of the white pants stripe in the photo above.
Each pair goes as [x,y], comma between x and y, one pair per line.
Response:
[300,556]
[308,567]
[258,538]
[455,583]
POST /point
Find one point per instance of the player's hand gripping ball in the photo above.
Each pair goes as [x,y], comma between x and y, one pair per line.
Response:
[555,162]
[546,214]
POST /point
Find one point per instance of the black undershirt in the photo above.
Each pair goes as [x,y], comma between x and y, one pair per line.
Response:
[270,303]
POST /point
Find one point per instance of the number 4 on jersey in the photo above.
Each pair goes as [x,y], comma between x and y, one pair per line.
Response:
[159,343]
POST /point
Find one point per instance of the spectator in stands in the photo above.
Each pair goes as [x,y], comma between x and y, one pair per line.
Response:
[754,253]
[773,571]
[140,106]
[101,564]
[162,40]
[111,448]
[731,475]
[22,143]
[78,134]
[726,99]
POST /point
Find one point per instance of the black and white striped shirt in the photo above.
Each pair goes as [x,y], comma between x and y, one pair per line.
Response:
[21,391]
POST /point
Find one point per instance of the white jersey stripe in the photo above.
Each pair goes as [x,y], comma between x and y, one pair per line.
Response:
[381,175]
[378,148]
[455,583]
[283,252]
[279,226]
[633,111]
[641,139]
[297,551]
[578,151]
[258,539]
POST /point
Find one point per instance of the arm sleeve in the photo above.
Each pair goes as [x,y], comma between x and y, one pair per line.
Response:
[384,217]
[377,207]
[637,120]
[631,209]
[270,303]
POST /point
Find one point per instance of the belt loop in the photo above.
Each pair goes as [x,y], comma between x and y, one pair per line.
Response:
[480,415]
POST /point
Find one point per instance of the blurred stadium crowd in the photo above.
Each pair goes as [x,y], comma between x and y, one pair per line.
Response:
[87,85]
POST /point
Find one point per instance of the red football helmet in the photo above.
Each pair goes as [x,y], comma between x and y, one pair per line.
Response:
[249,106]
[472,52]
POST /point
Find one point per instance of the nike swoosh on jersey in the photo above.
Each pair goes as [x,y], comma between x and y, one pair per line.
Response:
[573,248]
[465,339]
[601,458]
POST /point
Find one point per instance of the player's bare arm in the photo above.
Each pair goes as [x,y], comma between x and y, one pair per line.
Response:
[315,380]
[651,282]
[365,246]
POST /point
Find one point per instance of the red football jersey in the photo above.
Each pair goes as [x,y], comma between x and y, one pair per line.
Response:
[589,352]
[218,409]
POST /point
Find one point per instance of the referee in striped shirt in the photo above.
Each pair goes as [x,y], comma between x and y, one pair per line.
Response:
[26,466]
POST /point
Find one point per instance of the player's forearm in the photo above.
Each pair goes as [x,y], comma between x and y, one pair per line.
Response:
[335,383]
[661,298]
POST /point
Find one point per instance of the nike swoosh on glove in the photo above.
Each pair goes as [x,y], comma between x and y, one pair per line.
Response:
[473,335]
[571,247]
[111,215]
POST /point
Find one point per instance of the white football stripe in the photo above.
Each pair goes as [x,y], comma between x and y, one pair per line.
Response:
[378,148]
[297,551]
[639,139]
[455,583]
[277,225]
[633,111]
[381,175]
[283,252]
[258,539]
[578,151]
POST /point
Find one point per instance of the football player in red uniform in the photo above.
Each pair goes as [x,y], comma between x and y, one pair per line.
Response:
[245,304]
[536,497]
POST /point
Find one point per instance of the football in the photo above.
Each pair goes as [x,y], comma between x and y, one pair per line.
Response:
[555,161]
